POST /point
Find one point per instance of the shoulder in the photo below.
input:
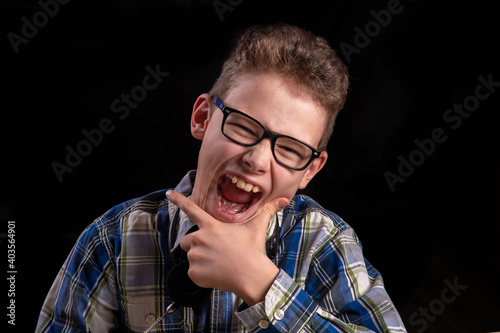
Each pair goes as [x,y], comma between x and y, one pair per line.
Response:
[152,203]
[315,240]
[149,211]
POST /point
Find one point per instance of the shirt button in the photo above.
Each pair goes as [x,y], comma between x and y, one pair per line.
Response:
[150,318]
[279,314]
[264,323]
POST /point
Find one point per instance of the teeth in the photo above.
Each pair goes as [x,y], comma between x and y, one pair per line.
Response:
[241,184]
[248,187]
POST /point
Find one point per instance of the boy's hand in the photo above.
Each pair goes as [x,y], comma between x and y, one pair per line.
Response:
[230,256]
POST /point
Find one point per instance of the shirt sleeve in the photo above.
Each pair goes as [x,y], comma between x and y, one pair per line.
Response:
[343,293]
[83,296]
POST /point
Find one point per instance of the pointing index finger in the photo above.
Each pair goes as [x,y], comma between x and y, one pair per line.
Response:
[192,210]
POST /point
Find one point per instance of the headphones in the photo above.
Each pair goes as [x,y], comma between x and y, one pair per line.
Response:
[180,287]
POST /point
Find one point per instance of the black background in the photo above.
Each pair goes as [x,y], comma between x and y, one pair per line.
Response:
[440,224]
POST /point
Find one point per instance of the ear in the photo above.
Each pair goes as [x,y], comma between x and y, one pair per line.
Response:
[313,169]
[201,116]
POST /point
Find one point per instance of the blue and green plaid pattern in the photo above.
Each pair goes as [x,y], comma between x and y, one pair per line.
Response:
[114,278]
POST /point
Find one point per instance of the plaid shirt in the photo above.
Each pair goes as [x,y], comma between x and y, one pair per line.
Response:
[114,278]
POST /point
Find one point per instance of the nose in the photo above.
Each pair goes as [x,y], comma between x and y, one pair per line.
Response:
[258,158]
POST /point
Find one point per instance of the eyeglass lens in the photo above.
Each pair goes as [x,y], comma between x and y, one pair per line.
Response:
[244,130]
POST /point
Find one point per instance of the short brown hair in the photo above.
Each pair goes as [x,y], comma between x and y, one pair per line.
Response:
[293,53]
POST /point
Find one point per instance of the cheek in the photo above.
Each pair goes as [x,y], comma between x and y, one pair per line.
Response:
[286,183]
[216,151]
[211,143]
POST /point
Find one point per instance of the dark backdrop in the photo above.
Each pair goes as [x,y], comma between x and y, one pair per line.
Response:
[416,178]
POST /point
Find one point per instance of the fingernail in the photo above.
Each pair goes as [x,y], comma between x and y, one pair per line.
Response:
[282,204]
[168,193]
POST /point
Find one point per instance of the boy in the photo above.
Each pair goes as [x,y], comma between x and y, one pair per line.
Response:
[276,261]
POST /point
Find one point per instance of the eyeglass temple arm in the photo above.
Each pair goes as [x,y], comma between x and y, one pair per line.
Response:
[218,102]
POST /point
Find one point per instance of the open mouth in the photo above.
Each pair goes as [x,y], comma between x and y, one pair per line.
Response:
[235,195]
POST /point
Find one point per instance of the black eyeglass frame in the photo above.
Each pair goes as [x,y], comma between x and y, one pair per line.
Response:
[226,111]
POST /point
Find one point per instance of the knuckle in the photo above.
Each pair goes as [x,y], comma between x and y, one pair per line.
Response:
[192,275]
[270,210]
[196,240]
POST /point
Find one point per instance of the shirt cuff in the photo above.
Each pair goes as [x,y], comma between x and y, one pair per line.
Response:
[286,306]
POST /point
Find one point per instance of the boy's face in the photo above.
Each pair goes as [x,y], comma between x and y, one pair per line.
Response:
[280,106]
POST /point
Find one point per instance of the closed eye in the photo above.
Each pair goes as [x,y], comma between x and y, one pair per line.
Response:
[290,152]
[240,130]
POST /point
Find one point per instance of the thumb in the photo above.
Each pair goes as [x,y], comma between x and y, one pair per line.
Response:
[260,222]
[275,205]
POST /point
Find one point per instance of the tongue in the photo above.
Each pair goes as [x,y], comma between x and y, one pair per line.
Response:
[232,193]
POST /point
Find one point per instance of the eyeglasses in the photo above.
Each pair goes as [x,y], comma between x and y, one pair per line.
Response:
[246,131]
